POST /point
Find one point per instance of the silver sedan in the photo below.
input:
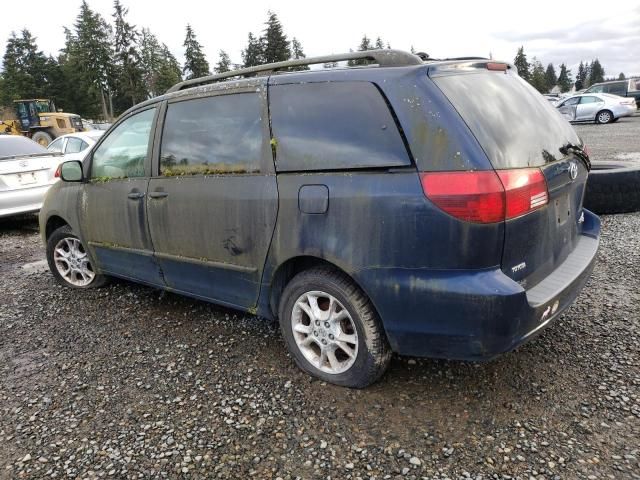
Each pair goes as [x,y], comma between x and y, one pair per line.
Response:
[598,108]
[27,170]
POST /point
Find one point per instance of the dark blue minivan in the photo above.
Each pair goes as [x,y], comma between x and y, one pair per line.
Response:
[429,208]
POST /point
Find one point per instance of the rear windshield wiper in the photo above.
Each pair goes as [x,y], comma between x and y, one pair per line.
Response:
[578,151]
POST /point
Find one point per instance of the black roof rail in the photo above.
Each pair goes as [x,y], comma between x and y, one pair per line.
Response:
[382,57]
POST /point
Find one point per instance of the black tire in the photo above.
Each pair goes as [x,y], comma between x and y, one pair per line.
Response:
[373,351]
[613,187]
[53,240]
[604,116]
[43,138]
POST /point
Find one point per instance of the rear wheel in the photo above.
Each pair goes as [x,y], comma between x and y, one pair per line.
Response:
[604,116]
[332,329]
[69,262]
[43,138]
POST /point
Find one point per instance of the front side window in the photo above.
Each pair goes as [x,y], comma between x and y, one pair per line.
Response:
[333,126]
[123,152]
[571,101]
[213,135]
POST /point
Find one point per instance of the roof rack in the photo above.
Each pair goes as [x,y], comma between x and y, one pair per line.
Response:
[383,58]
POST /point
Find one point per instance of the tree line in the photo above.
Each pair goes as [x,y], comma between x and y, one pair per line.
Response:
[106,67]
[545,79]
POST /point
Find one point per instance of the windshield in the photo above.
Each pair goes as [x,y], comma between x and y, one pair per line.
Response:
[44,107]
[514,124]
[13,145]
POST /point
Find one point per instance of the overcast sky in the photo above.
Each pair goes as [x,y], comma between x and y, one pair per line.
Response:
[553,31]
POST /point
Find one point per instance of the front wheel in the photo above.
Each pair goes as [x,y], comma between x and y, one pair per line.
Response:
[42,137]
[69,262]
[332,329]
[604,116]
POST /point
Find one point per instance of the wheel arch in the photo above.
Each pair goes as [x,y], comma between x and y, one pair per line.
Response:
[290,268]
[53,223]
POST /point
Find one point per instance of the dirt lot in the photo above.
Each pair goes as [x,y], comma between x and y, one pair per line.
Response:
[130,382]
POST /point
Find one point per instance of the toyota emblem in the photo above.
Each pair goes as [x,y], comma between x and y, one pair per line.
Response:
[573,170]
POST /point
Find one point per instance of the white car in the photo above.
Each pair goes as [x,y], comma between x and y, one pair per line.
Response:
[27,170]
[75,146]
[596,107]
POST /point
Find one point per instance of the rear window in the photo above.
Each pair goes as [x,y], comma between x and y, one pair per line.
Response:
[332,126]
[514,124]
[13,145]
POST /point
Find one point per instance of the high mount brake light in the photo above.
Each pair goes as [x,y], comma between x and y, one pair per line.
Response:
[487,196]
[497,66]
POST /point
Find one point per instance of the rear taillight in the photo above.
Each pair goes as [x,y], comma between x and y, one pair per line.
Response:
[58,171]
[486,196]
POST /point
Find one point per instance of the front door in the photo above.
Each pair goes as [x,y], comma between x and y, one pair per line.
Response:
[112,209]
[213,202]
[588,107]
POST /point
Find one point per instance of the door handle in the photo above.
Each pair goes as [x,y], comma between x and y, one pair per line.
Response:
[158,194]
[135,195]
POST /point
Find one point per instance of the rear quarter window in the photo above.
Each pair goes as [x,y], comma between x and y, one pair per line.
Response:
[333,126]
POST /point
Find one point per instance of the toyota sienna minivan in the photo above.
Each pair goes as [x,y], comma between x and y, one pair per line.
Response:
[428,208]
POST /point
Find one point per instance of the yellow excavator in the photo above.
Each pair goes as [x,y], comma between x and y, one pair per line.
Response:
[39,120]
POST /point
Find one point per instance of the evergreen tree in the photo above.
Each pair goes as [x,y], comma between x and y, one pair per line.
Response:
[521,63]
[195,62]
[621,76]
[169,73]
[24,69]
[580,77]
[564,78]
[550,77]
[150,61]
[596,72]
[365,44]
[275,45]
[379,44]
[129,75]
[297,53]
[224,63]
[538,79]
[252,55]
[86,62]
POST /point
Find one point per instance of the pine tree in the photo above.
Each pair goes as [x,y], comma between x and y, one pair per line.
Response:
[129,75]
[379,44]
[365,44]
[580,77]
[252,56]
[24,69]
[195,62]
[596,72]
[521,63]
[621,76]
[297,53]
[224,63]
[86,61]
[538,79]
[564,78]
[169,73]
[276,47]
[550,77]
[150,61]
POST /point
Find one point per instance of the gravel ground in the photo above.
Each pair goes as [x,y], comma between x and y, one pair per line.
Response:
[129,382]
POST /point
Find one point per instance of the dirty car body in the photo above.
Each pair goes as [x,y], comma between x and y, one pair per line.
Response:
[464,229]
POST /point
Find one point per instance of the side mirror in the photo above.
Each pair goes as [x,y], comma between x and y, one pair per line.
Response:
[71,171]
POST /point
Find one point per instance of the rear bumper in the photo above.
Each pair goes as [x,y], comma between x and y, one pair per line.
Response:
[24,200]
[478,314]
